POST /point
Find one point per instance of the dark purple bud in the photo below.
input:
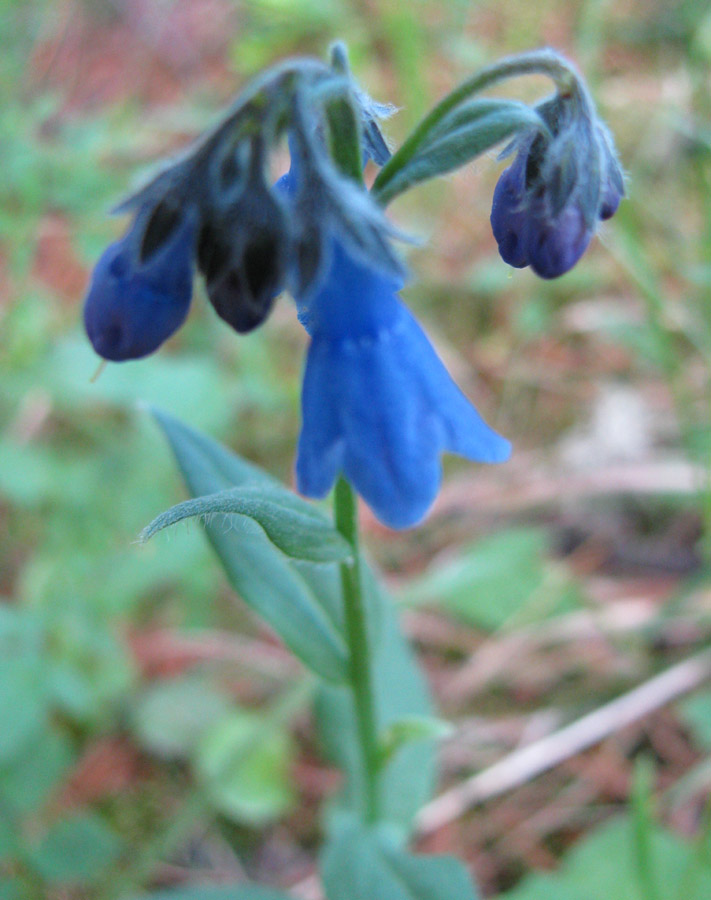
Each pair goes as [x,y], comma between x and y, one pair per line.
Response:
[213,253]
[547,204]
[508,214]
[244,295]
[613,189]
[140,291]
[244,258]
[554,245]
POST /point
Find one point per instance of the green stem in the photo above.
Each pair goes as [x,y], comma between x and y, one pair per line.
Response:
[540,62]
[359,662]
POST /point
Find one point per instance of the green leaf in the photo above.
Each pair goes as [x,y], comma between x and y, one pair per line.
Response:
[467,114]
[76,849]
[266,581]
[400,690]
[603,867]
[28,781]
[408,729]
[224,892]
[465,133]
[244,768]
[24,699]
[90,671]
[697,713]
[11,889]
[171,716]
[488,582]
[362,864]
[296,527]
[23,707]
[325,583]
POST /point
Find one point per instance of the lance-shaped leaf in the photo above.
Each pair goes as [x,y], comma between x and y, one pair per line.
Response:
[265,579]
[469,130]
[296,527]
[466,114]
[362,864]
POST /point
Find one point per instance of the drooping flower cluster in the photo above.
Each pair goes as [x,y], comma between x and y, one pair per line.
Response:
[548,203]
[214,209]
[378,404]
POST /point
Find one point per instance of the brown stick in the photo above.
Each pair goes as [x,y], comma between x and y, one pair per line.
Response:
[528,762]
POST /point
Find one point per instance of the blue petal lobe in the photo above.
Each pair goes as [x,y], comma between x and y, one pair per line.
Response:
[555,245]
[466,433]
[320,450]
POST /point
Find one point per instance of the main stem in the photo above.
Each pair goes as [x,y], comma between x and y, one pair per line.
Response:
[359,661]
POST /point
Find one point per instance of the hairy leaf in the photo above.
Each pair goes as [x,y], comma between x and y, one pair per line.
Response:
[265,579]
[468,131]
[296,527]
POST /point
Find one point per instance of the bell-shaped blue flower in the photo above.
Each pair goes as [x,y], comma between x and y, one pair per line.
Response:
[141,287]
[378,404]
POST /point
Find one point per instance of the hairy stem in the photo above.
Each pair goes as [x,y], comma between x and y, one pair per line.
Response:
[539,62]
[359,662]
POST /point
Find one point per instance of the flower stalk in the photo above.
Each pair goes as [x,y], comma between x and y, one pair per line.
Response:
[359,656]
[539,62]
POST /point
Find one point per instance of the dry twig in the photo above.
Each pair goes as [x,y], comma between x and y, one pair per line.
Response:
[528,762]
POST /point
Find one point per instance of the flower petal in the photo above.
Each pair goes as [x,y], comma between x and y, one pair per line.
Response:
[382,408]
[131,306]
[508,216]
[320,449]
[555,245]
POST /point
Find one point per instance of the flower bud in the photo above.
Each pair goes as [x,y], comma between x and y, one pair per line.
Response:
[547,204]
[141,287]
[244,252]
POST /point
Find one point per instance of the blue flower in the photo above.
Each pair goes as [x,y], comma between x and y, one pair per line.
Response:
[548,202]
[378,404]
[141,287]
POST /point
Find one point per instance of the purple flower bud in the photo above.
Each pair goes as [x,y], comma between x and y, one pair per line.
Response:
[554,245]
[548,202]
[244,249]
[140,291]
[508,216]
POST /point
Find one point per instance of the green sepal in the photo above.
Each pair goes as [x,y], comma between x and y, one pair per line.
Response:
[345,138]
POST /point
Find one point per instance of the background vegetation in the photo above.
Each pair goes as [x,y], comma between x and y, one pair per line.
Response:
[536,592]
